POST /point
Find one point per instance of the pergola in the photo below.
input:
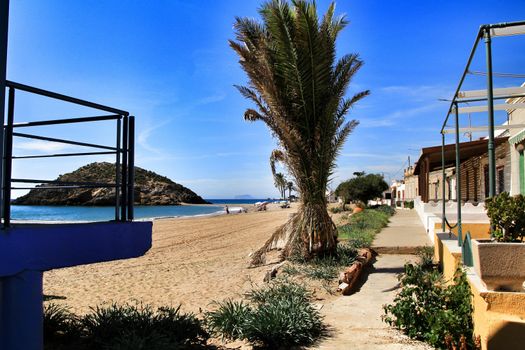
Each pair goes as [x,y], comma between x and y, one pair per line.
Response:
[490,95]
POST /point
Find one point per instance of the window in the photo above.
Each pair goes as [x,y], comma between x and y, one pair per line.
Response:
[467,190]
[500,179]
[476,184]
[486,176]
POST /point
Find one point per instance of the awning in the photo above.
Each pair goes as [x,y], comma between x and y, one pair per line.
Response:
[432,155]
[517,138]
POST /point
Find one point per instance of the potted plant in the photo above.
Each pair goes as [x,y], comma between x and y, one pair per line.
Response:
[500,261]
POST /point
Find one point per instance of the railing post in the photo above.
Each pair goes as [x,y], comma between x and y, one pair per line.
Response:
[490,107]
[117,171]
[458,177]
[124,172]
[8,158]
[443,176]
[131,167]
[4,28]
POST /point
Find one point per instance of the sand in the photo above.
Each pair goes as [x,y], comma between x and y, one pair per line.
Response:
[193,262]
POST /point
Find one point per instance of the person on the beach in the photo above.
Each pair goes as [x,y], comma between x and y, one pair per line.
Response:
[227,210]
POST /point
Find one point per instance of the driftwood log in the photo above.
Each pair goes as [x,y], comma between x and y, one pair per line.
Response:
[349,277]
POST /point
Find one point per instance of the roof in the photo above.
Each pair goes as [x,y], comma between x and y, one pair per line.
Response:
[467,150]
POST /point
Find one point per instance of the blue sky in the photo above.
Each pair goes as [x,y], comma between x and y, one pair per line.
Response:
[168,63]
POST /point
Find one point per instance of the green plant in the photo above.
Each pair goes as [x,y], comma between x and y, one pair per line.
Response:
[506,216]
[408,204]
[328,266]
[121,327]
[426,256]
[229,319]
[362,188]
[362,227]
[336,210]
[105,325]
[430,310]
[298,86]
[60,325]
[278,315]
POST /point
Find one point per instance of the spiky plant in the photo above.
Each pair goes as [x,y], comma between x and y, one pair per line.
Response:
[298,87]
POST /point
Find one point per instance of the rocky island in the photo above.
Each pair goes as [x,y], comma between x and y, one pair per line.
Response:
[150,189]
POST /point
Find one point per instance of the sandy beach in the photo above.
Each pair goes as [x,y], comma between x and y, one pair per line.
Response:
[193,261]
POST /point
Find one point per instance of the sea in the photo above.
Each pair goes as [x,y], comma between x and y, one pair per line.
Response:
[38,213]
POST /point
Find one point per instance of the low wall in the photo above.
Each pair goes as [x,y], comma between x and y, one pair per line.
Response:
[477,230]
[448,253]
[499,317]
[430,215]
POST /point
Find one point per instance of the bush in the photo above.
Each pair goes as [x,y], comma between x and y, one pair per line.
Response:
[336,210]
[427,309]
[408,204]
[399,203]
[506,215]
[122,327]
[277,315]
[387,209]
[327,267]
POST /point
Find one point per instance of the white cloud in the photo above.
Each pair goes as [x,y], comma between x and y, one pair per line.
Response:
[396,117]
[383,155]
[419,93]
[40,146]
[145,134]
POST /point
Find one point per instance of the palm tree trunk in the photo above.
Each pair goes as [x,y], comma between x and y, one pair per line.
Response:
[308,232]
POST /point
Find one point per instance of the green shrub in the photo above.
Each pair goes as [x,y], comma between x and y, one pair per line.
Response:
[60,325]
[121,327]
[506,215]
[427,309]
[387,209]
[408,204]
[327,267]
[278,315]
[336,210]
[229,319]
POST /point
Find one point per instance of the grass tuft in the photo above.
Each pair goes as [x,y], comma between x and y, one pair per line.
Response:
[277,315]
[121,327]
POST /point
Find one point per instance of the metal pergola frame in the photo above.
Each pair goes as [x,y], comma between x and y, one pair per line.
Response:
[487,32]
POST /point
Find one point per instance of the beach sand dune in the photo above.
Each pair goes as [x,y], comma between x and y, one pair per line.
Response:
[192,262]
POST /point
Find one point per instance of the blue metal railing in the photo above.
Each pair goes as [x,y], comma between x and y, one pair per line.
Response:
[124,152]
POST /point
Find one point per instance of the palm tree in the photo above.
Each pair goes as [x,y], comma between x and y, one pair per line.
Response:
[290,187]
[280,183]
[298,87]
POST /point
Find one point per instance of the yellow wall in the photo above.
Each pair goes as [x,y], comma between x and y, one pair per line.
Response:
[449,261]
[499,317]
[477,231]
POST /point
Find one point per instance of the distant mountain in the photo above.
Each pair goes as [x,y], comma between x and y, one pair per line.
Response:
[243,196]
[150,189]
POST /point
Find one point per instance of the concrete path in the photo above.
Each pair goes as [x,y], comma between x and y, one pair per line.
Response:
[403,235]
[358,316]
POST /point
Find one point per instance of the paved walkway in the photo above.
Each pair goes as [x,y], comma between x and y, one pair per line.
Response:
[403,235]
[358,316]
